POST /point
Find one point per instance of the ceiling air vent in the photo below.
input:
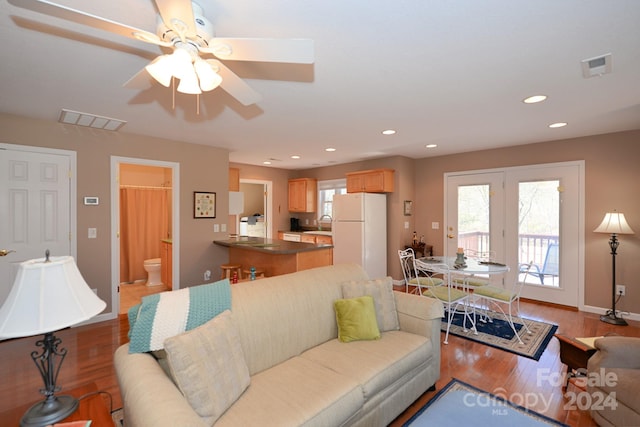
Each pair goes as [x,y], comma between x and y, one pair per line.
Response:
[597,66]
[71,117]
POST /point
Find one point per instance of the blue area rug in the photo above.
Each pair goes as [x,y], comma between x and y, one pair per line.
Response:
[460,404]
[499,334]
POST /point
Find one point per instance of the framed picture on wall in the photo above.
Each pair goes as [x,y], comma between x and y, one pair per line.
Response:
[204,204]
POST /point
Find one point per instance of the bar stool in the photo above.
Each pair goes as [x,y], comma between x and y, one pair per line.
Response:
[228,270]
[247,273]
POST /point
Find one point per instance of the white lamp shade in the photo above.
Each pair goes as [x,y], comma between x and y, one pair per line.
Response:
[614,223]
[189,83]
[209,79]
[161,69]
[46,297]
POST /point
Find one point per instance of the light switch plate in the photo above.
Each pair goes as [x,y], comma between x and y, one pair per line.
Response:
[216,228]
[435,225]
[92,233]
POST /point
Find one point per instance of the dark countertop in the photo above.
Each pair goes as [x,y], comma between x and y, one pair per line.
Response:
[271,246]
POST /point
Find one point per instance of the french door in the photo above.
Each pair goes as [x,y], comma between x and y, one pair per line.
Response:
[524,214]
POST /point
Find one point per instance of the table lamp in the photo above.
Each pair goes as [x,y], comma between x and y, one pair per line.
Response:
[614,223]
[48,294]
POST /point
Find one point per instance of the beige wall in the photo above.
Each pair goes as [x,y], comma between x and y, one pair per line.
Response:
[612,174]
[202,168]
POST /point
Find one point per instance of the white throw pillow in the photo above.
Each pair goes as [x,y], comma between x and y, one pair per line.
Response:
[382,292]
[208,365]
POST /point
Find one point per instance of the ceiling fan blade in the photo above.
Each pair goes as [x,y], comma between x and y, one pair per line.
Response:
[141,80]
[234,85]
[51,9]
[298,51]
[178,15]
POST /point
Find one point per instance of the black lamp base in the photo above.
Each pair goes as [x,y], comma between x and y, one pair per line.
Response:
[49,411]
[611,317]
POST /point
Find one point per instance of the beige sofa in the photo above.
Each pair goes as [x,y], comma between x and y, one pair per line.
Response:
[614,381]
[300,373]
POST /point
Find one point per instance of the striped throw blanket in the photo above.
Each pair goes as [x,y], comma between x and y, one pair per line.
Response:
[167,314]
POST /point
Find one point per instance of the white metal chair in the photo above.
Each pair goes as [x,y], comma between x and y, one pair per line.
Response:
[452,298]
[411,276]
[499,297]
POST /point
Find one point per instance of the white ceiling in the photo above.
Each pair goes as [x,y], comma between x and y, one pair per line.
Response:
[447,72]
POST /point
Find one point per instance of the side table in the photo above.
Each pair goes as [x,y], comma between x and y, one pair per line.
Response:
[423,248]
[92,407]
[575,354]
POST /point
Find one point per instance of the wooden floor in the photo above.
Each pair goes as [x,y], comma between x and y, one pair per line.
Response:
[90,360]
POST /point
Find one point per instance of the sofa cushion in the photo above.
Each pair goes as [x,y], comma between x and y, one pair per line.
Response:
[297,392]
[374,364]
[356,319]
[207,364]
[382,292]
[170,313]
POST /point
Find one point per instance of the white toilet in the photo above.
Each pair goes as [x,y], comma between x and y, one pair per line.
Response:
[152,267]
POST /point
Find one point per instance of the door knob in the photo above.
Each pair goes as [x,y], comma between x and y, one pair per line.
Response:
[5,252]
[451,236]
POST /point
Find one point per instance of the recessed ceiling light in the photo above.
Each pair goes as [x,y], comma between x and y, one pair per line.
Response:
[535,98]
[431,145]
[557,125]
[266,162]
[388,132]
[330,149]
[295,156]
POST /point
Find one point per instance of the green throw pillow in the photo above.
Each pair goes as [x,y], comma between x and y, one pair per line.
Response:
[356,319]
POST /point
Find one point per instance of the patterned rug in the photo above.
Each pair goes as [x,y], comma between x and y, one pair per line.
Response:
[460,404]
[499,334]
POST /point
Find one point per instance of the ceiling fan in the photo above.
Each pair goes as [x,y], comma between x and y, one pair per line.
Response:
[183,27]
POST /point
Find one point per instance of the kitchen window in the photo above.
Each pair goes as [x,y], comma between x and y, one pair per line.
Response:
[326,191]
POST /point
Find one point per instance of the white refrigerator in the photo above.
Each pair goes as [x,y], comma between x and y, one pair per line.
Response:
[359,230]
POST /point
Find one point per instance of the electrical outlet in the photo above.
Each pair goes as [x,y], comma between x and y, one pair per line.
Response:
[207,275]
[621,290]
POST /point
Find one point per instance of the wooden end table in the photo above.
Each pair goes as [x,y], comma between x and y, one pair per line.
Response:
[575,354]
[92,407]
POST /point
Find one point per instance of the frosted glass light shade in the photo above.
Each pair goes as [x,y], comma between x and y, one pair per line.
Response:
[161,69]
[46,297]
[209,79]
[614,223]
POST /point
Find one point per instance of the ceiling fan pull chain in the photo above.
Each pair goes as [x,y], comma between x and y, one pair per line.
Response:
[173,93]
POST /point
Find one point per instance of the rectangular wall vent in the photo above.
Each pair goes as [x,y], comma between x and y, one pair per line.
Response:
[597,66]
[89,120]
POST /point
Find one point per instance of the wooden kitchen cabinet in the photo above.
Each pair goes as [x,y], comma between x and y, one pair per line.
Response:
[327,240]
[166,258]
[307,238]
[303,193]
[234,179]
[370,181]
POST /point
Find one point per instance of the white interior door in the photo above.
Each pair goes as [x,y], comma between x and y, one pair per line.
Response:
[35,207]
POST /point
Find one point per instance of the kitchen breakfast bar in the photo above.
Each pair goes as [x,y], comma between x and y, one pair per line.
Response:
[276,257]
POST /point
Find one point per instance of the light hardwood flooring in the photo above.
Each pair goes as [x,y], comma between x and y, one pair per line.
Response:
[132,293]
[90,360]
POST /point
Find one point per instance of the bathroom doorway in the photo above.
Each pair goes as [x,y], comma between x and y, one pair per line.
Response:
[144,196]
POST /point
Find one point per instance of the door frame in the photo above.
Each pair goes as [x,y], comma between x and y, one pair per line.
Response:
[115,221]
[268,203]
[508,171]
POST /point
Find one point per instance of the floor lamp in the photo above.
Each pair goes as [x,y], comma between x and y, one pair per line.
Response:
[48,294]
[613,223]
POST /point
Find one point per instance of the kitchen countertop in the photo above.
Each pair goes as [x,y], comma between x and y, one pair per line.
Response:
[260,244]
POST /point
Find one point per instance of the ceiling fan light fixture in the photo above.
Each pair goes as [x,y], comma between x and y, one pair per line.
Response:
[189,83]
[182,64]
[161,69]
[209,79]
